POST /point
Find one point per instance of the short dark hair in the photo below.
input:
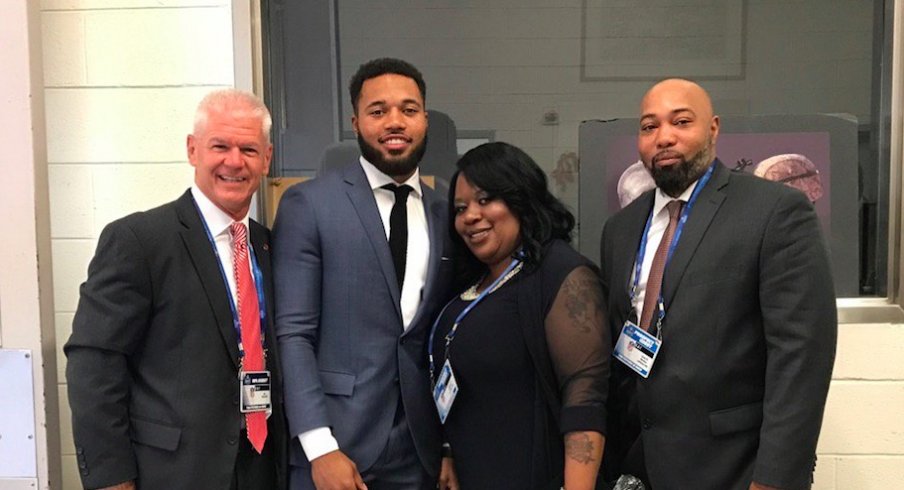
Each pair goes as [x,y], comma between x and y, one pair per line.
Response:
[383,66]
[506,172]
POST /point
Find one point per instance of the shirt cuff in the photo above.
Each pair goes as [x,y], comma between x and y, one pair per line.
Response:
[317,442]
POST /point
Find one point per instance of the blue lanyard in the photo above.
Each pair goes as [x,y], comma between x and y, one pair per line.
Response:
[677,236]
[461,316]
[258,281]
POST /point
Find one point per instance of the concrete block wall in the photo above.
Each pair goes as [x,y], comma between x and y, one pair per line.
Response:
[122,79]
[862,442]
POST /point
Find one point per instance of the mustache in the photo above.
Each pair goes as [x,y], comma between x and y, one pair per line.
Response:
[666,154]
[395,135]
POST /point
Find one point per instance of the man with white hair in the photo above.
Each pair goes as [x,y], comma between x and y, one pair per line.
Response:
[172,367]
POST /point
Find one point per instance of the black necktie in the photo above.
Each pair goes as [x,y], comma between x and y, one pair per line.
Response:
[398,229]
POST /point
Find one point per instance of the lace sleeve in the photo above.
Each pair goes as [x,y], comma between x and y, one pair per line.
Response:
[579,349]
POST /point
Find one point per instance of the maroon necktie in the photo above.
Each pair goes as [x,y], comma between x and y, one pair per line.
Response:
[654,280]
[250,321]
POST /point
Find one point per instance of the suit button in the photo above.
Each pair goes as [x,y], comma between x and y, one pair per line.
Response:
[84,472]
[395,380]
[82,464]
[232,440]
[647,424]
[401,341]
[80,450]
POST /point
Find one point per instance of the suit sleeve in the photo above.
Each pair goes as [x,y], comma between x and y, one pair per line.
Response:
[297,274]
[112,316]
[800,324]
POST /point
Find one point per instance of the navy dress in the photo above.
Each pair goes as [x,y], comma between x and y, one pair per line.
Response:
[505,430]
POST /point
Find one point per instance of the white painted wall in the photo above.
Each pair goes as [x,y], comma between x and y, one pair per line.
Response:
[26,309]
[122,78]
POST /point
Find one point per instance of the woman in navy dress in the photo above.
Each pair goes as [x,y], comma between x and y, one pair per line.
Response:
[525,341]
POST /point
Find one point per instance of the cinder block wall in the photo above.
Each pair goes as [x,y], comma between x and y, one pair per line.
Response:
[122,79]
[862,441]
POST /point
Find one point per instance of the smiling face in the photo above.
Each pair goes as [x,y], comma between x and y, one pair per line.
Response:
[678,133]
[230,154]
[391,124]
[486,225]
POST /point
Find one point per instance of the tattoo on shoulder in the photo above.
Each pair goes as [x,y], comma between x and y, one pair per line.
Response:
[581,294]
[579,447]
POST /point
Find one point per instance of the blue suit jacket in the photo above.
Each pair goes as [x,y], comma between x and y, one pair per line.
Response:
[346,355]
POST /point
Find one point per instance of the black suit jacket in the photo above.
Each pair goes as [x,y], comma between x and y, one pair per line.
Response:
[738,390]
[153,357]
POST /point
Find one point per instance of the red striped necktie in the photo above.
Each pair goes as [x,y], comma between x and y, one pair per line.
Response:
[250,321]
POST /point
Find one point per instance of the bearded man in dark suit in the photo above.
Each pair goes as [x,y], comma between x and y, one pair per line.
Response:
[743,320]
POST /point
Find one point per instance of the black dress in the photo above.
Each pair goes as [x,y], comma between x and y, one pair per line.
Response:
[505,428]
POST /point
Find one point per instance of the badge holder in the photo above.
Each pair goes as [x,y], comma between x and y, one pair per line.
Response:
[444,391]
[254,390]
[637,349]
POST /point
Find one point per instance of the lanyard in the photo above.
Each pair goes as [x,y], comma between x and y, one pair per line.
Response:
[258,281]
[461,316]
[677,236]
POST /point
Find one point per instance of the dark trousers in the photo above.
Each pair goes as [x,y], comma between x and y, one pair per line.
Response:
[254,471]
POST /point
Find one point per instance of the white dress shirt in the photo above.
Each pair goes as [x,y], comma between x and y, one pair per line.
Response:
[654,236]
[319,441]
[218,222]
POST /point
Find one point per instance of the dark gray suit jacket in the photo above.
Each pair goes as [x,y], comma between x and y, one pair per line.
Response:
[738,390]
[345,356]
[153,357]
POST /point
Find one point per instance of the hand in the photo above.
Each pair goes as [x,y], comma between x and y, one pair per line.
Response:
[334,471]
[126,485]
[448,480]
[759,486]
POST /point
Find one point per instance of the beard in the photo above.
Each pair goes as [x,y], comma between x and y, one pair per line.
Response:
[674,179]
[395,165]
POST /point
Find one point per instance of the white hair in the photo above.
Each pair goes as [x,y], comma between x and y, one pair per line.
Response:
[232,99]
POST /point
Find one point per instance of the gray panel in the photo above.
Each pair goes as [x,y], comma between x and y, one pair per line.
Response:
[839,215]
[18,452]
[301,78]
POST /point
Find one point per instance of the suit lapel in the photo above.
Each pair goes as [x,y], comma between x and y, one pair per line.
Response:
[260,242]
[362,198]
[208,270]
[433,210]
[261,245]
[625,248]
[702,214]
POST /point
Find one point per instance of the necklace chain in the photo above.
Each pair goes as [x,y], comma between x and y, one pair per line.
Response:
[471,293]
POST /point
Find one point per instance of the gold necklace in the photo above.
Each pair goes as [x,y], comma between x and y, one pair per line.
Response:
[471,294]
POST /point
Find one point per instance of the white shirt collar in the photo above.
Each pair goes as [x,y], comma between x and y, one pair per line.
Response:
[662,198]
[378,179]
[217,220]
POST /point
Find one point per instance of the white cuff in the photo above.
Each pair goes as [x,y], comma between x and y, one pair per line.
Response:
[317,442]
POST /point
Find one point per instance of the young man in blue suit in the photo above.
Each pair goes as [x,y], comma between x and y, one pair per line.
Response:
[743,319]
[361,272]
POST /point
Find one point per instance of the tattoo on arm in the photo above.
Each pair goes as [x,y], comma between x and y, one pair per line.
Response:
[579,447]
[582,300]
